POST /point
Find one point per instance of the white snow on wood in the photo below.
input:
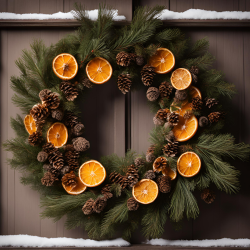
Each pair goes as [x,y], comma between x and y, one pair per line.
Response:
[35,241]
[225,242]
[92,14]
[203,14]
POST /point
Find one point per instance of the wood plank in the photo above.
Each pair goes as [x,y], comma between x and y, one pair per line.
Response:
[3,5]
[230,5]
[180,5]
[26,6]
[50,6]
[151,3]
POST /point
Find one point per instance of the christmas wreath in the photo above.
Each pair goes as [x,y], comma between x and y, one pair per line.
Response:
[187,152]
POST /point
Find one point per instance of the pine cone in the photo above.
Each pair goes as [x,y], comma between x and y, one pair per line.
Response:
[208,196]
[150,157]
[106,191]
[81,144]
[194,70]
[180,95]
[42,156]
[78,129]
[149,175]
[39,112]
[69,90]
[56,159]
[171,149]
[215,116]
[165,89]
[159,163]
[99,204]
[118,178]
[48,179]
[51,101]
[35,138]
[123,59]
[87,83]
[57,114]
[44,93]
[39,125]
[152,94]
[70,119]
[139,161]
[88,207]
[151,149]
[168,125]
[188,115]
[71,158]
[69,179]
[203,121]
[139,60]
[124,83]
[164,184]
[49,148]
[210,102]
[170,136]
[162,114]
[157,121]
[196,103]
[132,175]
[132,204]
[194,78]
[65,170]
[147,74]
[173,118]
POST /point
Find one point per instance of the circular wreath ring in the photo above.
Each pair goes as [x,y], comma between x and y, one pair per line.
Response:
[187,152]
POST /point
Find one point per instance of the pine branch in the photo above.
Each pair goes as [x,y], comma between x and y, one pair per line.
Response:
[168,35]
[17,125]
[202,62]
[200,47]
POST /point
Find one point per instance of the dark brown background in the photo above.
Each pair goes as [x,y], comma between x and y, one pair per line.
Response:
[117,122]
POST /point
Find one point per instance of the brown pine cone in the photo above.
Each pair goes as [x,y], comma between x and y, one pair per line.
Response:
[78,129]
[51,101]
[69,90]
[170,136]
[48,179]
[194,70]
[162,114]
[69,179]
[39,125]
[203,121]
[157,121]
[71,158]
[165,89]
[159,164]
[168,125]
[173,118]
[49,148]
[180,95]
[106,191]
[81,144]
[123,59]
[150,157]
[47,167]
[56,159]
[132,175]
[152,94]
[70,119]
[194,78]
[147,74]
[208,196]
[99,204]
[151,149]
[88,207]
[44,93]
[139,60]
[132,204]
[210,102]
[164,184]
[124,83]
[139,161]
[215,116]
[42,156]
[35,138]
[171,149]
[87,83]
[39,112]
[65,170]
[118,178]
[149,175]
[196,103]
[188,115]
[57,114]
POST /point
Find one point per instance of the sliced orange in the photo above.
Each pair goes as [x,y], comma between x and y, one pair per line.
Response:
[186,128]
[92,173]
[99,70]
[78,189]
[145,191]
[169,172]
[29,124]
[57,134]
[163,61]
[65,66]
[189,164]
[181,79]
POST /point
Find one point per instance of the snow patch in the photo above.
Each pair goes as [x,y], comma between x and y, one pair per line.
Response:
[35,241]
[225,242]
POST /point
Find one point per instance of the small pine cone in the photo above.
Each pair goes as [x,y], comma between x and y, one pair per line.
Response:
[208,196]
[215,116]
[40,124]
[160,163]
[194,70]
[194,78]
[168,125]
[196,103]
[65,170]
[210,102]
[132,175]
[69,179]
[87,83]
[150,157]
[71,158]
[99,204]
[78,129]
[48,179]
[106,192]
[139,161]
[88,207]
[81,144]
[139,60]
[203,121]
[47,167]
[157,121]
[162,114]
[152,94]
[42,156]
[170,136]
[147,74]
[57,114]
[56,159]
[132,204]
[39,112]
[149,175]
[44,93]
[49,148]
[118,178]
[165,89]
[151,149]
[123,59]
[173,118]
[124,83]
[35,138]
[51,101]
[188,115]
[164,184]
[180,95]
[70,119]
[171,149]
[69,90]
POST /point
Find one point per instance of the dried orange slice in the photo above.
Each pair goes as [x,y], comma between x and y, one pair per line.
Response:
[145,191]
[30,124]
[169,172]
[92,173]
[65,66]
[57,134]
[189,164]
[99,70]
[78,189]
[181,79]
[163,61]
[185,129]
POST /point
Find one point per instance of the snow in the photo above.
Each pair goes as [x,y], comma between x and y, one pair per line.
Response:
[35,241]
[203,14]
[92,14]
[225,242]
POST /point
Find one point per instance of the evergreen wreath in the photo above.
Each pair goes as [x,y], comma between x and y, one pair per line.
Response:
[50,100]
